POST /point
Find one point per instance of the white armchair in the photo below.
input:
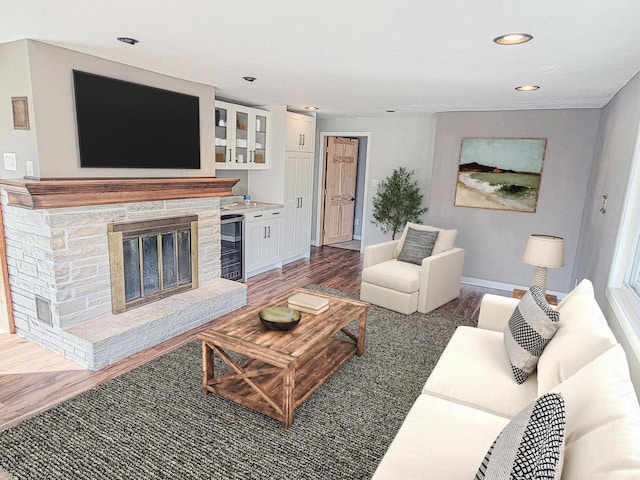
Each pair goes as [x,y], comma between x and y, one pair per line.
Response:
[407,287]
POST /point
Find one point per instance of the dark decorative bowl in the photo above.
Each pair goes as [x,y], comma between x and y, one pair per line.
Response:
[279,318]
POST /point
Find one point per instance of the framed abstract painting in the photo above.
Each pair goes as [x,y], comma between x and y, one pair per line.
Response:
[500,173]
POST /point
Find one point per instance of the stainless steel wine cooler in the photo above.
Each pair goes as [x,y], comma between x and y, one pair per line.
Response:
[232,247]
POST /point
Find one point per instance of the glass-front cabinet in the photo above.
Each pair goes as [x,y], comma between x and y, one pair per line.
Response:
[223,145]
[260,144]
[242,137]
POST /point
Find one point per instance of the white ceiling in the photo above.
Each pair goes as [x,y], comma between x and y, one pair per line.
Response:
[358,57]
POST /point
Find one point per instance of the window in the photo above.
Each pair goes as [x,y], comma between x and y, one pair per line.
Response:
[623,291]
[633,272]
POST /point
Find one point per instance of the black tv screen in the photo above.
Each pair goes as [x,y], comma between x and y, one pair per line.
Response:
[127,125]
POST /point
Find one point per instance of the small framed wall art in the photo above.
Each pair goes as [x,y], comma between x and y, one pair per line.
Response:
[20,109]
[500,173]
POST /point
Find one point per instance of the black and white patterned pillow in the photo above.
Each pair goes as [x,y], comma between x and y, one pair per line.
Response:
[531,446]
[531,326]
[418,244]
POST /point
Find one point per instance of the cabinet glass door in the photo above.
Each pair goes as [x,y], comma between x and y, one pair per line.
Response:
[242,138]
[259,154]
[223,148]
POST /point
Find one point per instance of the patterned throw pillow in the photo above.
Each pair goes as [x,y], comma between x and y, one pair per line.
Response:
[532,324]
[531,446]
[418,244]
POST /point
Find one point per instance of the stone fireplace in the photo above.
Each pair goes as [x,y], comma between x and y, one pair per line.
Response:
[62,279]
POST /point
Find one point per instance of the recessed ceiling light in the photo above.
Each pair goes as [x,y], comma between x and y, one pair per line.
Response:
[527,88]
[249,79]
[513,38]
[311,108]
[129,40]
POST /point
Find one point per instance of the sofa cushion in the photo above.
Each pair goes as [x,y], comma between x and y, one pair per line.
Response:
[418,244]
[401,276]
[603,420]
[474,370]
[439,440]
[444,242]
[531,445]
[583,334]
[531,326]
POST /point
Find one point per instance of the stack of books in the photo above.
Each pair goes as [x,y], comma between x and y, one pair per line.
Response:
[305,302]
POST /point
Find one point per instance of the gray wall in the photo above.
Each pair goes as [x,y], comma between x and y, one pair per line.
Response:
[610,174]
[52,109]
[494,240]
[393,142]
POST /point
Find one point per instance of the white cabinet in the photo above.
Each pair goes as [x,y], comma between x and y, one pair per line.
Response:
[298,170]
[241,137]
[301,133]
[263,237]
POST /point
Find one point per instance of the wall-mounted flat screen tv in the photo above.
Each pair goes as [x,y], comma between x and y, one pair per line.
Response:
[127,125]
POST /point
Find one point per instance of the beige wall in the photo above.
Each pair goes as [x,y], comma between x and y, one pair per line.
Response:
[240,188]
[53,112]
[15,81]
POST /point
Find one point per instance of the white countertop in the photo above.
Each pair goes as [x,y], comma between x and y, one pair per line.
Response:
[237,205]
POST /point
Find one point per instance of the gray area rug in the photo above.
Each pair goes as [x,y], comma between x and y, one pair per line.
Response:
[155,422]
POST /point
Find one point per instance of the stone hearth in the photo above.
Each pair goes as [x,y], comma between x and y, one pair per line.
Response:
[58,263]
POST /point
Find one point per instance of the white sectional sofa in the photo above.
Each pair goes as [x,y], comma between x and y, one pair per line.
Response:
[471,395]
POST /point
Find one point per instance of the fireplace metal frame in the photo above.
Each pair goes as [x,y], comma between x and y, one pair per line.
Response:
[118,232]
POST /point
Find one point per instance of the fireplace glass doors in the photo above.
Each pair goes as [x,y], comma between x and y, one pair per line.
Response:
[152,259]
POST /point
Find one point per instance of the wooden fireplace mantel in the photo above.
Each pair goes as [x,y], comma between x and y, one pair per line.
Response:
[76,192]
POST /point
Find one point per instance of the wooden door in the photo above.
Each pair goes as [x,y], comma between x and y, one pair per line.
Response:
[340,189]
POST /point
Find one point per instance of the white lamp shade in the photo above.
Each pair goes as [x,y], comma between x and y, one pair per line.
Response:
[544,251]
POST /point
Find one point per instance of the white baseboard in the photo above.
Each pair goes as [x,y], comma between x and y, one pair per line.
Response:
[507,287]
[263,269]
[315,243]
[297,257]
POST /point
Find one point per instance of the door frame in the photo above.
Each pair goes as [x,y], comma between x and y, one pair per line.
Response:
[320,173]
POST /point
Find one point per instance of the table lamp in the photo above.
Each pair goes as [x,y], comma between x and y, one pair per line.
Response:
[543,251]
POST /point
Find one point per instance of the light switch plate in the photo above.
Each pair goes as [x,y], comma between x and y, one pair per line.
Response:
[29,165]
[375,183]
[10,162]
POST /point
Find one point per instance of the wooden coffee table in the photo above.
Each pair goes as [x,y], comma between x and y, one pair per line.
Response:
[282,368]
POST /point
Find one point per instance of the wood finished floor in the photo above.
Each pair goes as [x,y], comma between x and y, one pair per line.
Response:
[33,379]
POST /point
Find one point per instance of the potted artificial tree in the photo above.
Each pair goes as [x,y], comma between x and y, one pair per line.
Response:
[397,201]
